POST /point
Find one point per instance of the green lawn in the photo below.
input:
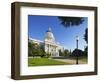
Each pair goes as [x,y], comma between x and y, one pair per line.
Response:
[44,62]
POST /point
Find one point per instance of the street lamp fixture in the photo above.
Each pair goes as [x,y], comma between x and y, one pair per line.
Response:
[77,39]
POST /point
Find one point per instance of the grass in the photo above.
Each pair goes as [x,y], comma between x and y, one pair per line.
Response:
[47,61]
[44,62]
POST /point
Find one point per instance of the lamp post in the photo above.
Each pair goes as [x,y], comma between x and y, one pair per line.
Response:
[77,39]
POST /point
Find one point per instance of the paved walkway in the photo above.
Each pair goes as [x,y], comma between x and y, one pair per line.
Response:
[71,61]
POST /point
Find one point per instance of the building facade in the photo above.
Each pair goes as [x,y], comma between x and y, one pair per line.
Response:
[50,45]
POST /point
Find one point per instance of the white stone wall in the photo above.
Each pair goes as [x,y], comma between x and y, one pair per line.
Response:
[52,48]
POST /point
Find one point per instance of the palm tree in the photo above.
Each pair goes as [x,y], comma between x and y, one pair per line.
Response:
[86,35]
[86,39]
[71,21]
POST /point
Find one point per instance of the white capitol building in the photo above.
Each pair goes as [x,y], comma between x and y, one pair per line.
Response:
[50,45]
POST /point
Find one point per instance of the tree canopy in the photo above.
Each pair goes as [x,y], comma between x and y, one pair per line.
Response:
[86,35]
[77,52]
[35,49]
[70,21]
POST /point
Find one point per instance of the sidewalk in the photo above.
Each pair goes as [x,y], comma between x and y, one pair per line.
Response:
[71,61]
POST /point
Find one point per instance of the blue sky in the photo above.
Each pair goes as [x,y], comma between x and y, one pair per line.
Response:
[38,25]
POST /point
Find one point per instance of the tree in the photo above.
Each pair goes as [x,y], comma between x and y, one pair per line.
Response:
[35,50]
[60,53]
[86,35]
[70,52]
[48,55]
[86,51]
[70,21]
[31,49]
[66,52]
[77,52]
[86,39]
[42,52]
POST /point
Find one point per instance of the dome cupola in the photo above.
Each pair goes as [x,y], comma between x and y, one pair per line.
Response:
[49,36]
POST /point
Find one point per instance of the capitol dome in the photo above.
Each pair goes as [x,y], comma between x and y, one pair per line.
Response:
[49,36]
